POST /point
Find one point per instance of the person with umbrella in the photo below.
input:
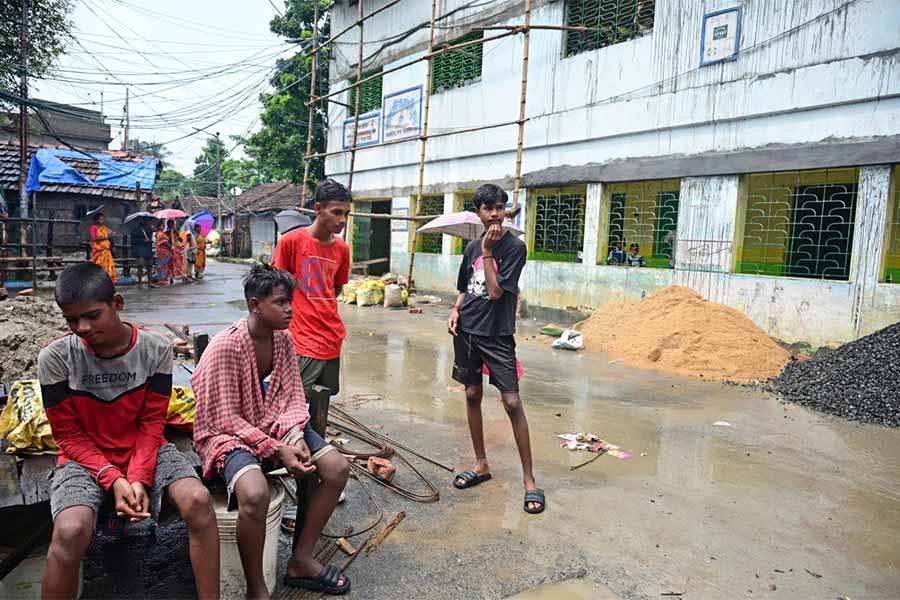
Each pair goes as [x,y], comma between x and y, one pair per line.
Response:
[101,246]
[142,247]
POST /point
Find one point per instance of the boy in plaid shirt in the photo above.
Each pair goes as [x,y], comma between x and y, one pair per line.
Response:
[245,425]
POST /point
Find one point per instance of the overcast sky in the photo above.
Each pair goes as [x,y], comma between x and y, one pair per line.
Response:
[188,64]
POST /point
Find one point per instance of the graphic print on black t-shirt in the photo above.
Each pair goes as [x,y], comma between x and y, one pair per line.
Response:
[479,314]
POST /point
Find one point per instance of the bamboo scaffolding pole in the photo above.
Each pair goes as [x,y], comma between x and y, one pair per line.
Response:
[580,28]
[359,76]
[428,57]
[522,97]
[412,254]
[412,139]
[312,107]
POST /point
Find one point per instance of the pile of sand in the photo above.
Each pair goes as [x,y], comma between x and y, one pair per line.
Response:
[27,324]
[679,332]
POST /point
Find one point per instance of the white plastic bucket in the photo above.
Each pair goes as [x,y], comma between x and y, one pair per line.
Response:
[24,582]
[232,583]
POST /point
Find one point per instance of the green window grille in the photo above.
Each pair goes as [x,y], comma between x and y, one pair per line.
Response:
[370,98]
[644,213]
[458,67]
[892,260]
[799,224]
[558,224]
[610,22]
[430,243]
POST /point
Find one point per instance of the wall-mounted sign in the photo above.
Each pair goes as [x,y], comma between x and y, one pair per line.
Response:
[402,115]
[400,224]
[369,130]
[721,36]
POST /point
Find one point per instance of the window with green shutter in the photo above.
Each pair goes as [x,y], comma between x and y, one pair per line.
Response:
[430,243]
[611,22]
[458,67]
[370,98]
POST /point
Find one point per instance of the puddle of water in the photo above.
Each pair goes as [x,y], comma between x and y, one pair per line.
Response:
[570,589]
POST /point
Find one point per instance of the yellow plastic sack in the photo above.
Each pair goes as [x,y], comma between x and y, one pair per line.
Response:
[348,292]
[23,422]
[370,297]
[182,409]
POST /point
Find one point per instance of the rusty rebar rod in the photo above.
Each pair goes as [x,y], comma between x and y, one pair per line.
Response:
[424,140]
[312,107]
[522,97]
[375,216]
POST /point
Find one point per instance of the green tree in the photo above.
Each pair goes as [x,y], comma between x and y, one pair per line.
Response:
[278,147]
[204,179]
[150,149]
[49,28]
[171,184]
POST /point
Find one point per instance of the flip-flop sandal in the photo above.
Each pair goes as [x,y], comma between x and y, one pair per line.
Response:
[327,581]
[469,479]
[535,497]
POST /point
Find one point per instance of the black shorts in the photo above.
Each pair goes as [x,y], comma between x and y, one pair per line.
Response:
[473,352]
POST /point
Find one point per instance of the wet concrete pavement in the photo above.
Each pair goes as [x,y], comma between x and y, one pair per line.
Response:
[784,502]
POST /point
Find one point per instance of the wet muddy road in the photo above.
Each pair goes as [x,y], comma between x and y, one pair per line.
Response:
[783,502]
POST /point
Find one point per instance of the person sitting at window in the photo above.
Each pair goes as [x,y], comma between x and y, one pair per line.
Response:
[617,254]
[634,259]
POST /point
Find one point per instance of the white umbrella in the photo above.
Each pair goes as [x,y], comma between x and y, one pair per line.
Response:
[464,224]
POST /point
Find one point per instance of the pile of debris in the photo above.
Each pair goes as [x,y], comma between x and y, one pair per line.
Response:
[27,324]
[859,381]
[677,331]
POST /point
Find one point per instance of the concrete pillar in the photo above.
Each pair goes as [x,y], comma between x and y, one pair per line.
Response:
[872,200]
[707,215]
[400,235]
[593,209]
[706,223]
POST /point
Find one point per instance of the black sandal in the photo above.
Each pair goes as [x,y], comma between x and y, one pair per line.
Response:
[535,497]
[469,479]
[327,581]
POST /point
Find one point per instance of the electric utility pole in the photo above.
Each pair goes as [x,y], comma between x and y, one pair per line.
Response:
[23,118]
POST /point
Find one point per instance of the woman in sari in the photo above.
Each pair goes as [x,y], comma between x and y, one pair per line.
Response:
[189,242]
[101,247]
[177,252]
[200,256]
[164,256]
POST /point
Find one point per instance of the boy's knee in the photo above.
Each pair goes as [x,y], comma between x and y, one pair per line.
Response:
[198,507]
[73,535]
[474,394]
[254,499]
[335,470]
[511,403]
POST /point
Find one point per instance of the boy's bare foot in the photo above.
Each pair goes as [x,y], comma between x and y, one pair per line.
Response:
[308,568]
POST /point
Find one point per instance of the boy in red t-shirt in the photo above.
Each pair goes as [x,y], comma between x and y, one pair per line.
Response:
[320,262]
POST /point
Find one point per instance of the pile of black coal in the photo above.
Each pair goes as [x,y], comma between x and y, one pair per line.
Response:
[859,381]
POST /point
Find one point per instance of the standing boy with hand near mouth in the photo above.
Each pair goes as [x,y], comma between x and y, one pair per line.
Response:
[483,323]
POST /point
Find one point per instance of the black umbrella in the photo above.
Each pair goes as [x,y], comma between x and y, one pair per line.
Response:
[291,219]
[135,220]
[88,219]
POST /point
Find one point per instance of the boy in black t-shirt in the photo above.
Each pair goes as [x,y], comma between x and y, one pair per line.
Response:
[483,323]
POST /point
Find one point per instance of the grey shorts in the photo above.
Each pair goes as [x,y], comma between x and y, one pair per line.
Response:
[326,373]
[71,485]
[239,461]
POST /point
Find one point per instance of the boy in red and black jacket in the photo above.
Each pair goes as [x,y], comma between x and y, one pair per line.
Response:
[106,391]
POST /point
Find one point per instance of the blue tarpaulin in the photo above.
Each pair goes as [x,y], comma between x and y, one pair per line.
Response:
[47,167]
